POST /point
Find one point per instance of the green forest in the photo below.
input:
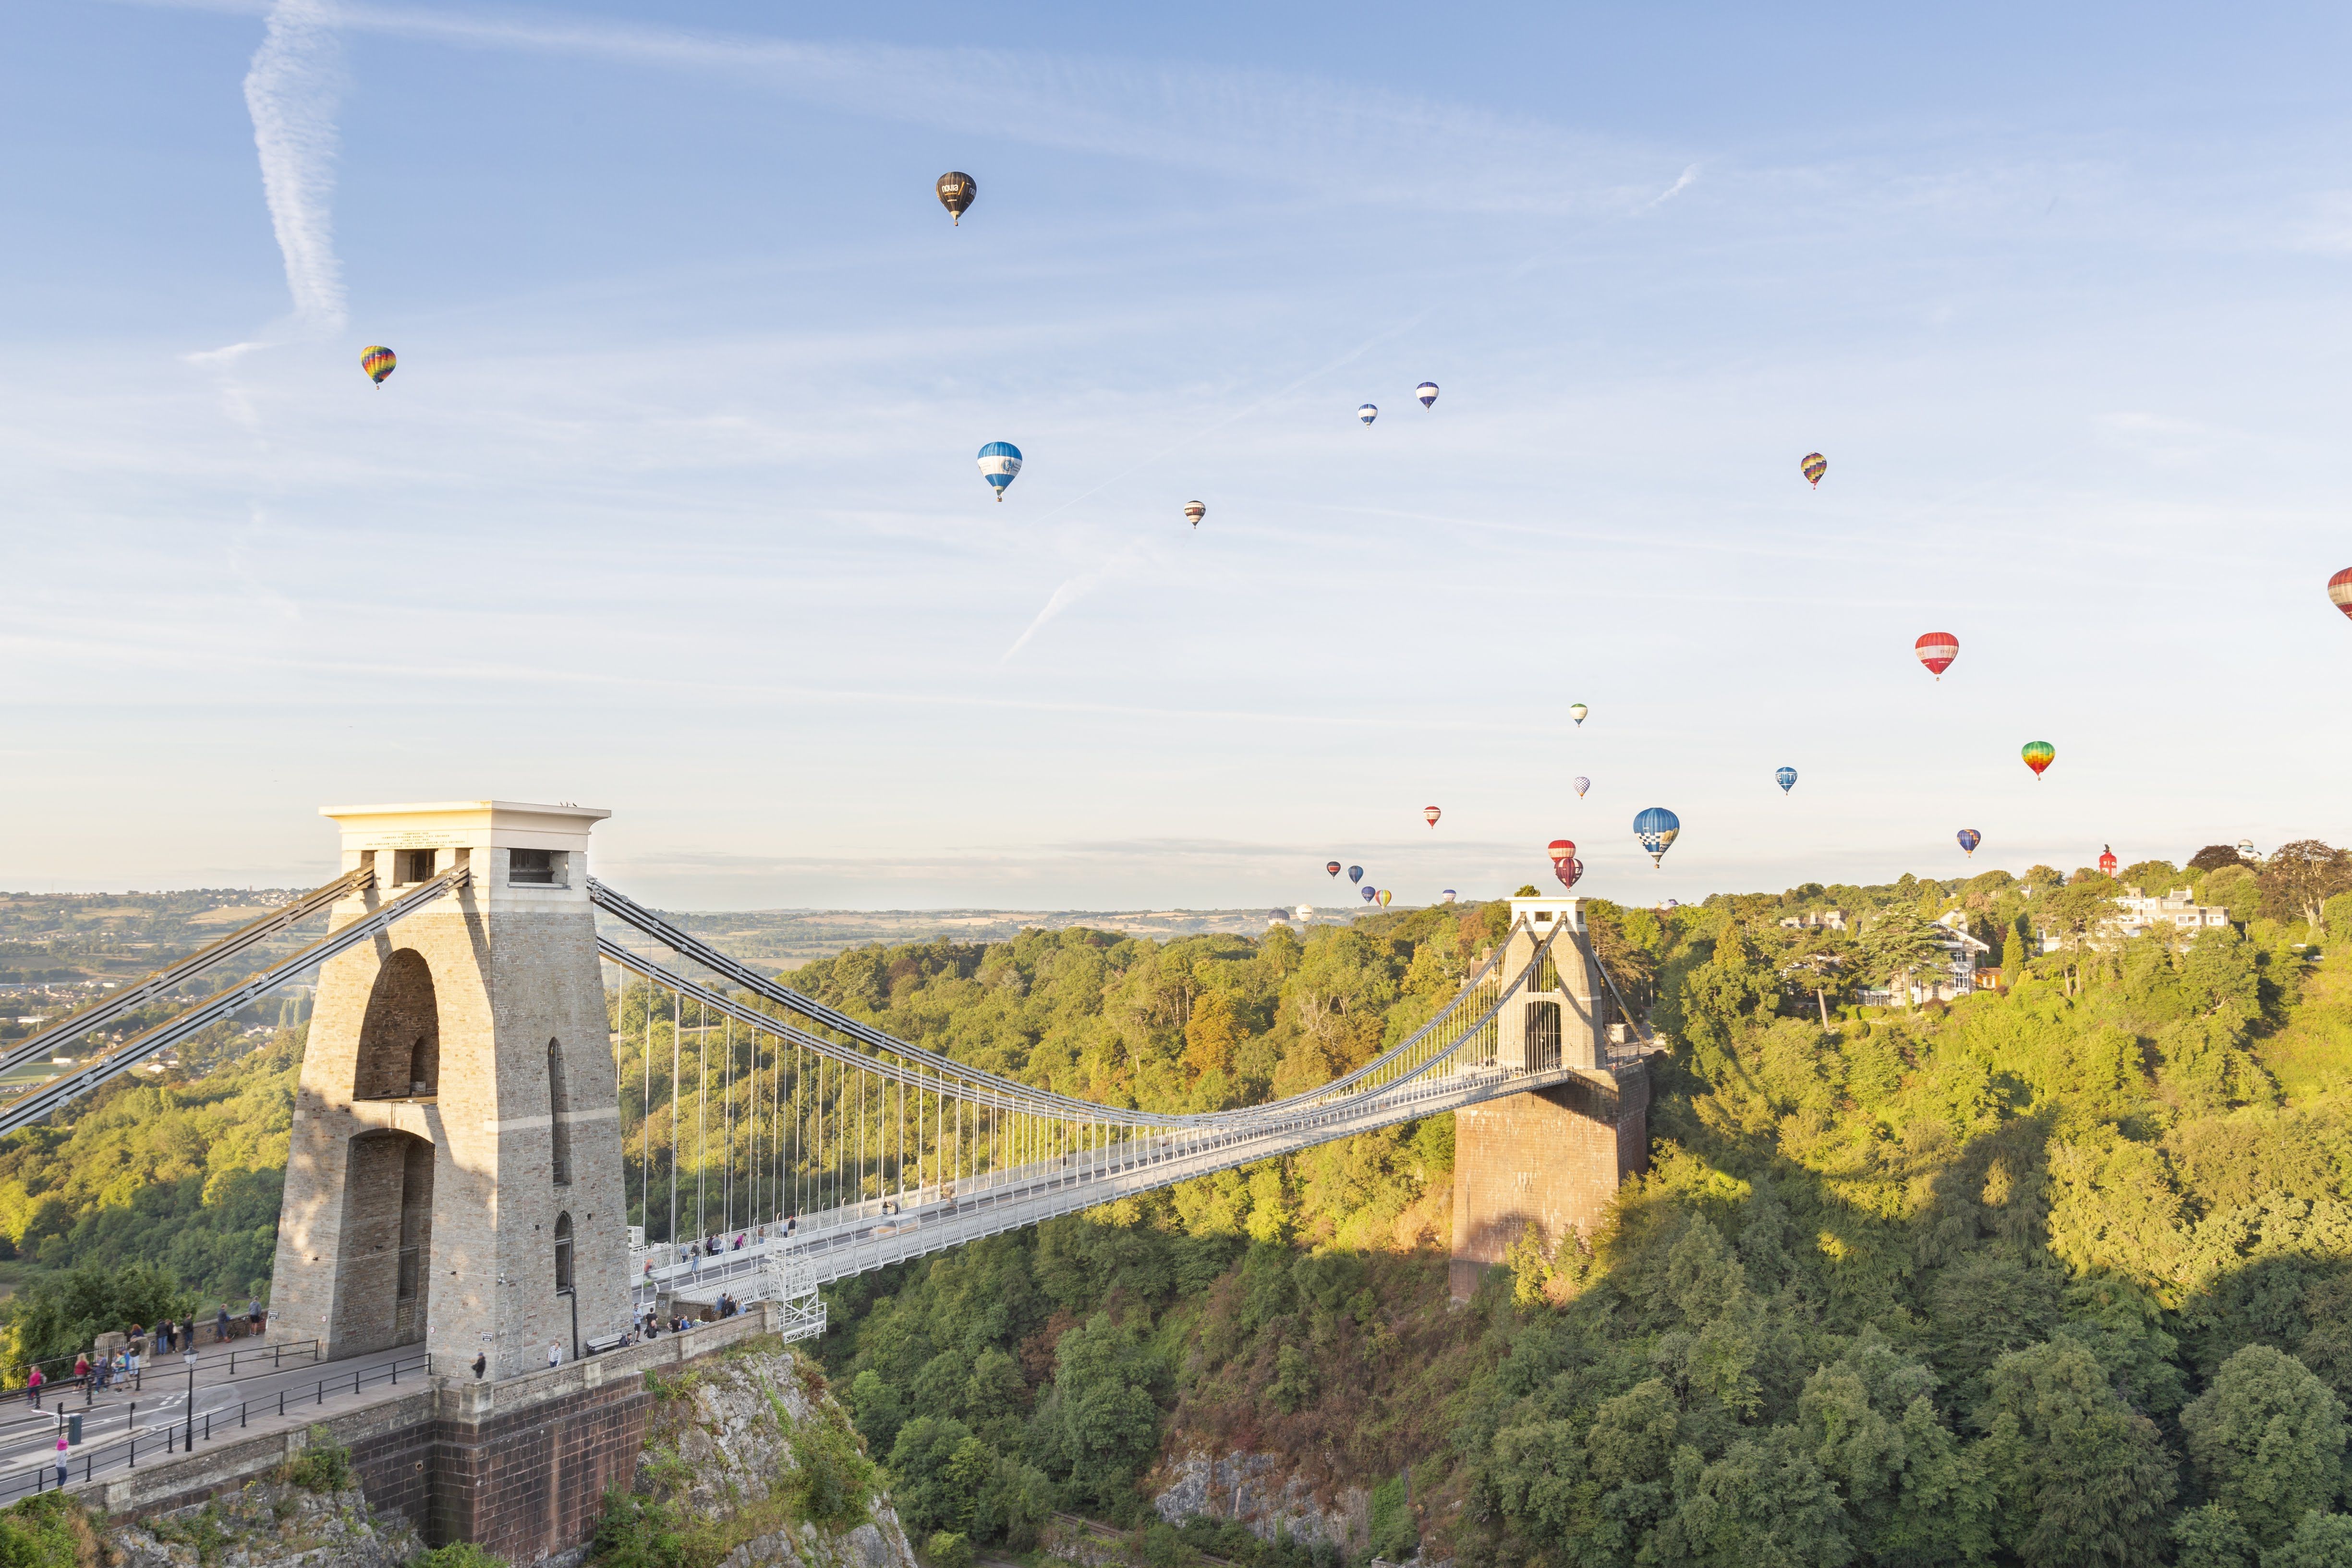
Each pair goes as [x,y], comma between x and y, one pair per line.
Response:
[2059,1274]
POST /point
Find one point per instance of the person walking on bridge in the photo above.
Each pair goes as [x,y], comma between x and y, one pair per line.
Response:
[33,1386]
[62,1471]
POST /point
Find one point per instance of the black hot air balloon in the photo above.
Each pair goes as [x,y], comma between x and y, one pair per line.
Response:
[956,190]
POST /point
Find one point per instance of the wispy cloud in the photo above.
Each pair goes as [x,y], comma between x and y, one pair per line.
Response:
[292,91]
[1348,144]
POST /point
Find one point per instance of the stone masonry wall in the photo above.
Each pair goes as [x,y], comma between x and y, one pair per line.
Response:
[1552,1157]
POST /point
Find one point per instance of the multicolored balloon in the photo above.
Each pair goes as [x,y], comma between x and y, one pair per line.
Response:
[1355,873]
[1371,893]
[1427,392]
[999,461]
[379,362]
[1813,467]
[956,190]
[1582,783]
[1368,412]
[2038,755]
[1561,849]
[1332,867]
[1577,710]
[1194,511]
[1969,838]
[1785,778]
[1936,650]
[2339,590]
[1385,897]
[1655,831]
[1568,871]
[1430,814]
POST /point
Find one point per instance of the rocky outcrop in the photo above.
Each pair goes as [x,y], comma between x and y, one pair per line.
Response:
[1255,1489]
[749,1455]
[268,1524]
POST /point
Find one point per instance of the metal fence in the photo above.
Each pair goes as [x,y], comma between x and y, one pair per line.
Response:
[263,1357]
[190,1426]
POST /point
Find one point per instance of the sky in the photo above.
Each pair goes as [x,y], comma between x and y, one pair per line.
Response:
[672,507]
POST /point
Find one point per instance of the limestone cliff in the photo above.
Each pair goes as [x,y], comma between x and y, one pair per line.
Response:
[268,1524]
[748,1461]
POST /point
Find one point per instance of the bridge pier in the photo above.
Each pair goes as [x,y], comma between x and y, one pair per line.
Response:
[454,1179]
[1552,1157]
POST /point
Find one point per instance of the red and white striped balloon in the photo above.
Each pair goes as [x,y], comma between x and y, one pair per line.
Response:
[1936,650]
[2339,588]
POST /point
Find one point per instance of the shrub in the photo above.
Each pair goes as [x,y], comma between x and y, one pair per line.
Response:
[457,1555]
[324,1467]
[830,1480]
[635,1532]
[47,1530]
[946,1549]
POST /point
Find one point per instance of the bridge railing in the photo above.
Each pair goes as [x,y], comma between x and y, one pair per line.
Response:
[187,1427]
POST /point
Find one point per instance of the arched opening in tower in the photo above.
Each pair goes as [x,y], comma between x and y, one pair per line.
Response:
[400,1040]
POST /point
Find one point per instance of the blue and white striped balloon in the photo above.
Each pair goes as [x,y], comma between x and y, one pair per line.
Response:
[999,461]
[1787,779]
[1427,392]
[1368,412]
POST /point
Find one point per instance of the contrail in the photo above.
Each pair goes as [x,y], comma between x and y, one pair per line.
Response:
[292,91]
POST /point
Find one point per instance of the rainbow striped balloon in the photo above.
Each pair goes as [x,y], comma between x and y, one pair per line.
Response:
[2038,755]
[1813,467]
[378,362]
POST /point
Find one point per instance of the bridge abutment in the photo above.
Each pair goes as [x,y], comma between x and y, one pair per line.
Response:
[1554,1157]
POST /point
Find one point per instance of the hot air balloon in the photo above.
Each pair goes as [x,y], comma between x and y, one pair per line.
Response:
[1194,511]
[1427,392]
[2106,860]
[1969,838]
[1671,905]
[1368,412]
[1306,912]
[2038,755]
[999,461]
[1561,849]
[956,190]
[2339,589]
[1332,867]
[1582,783]
[1446,897]
[1654,831]
[379,362]
[1577,710]
[1936,650]
[1430,814]
[1371,893]
[1385,897]
[1785,778]
[1567,871]
[1813,467]
[1355,873]
[2246,849]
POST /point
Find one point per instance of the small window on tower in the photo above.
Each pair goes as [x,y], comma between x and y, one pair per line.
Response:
[530,867]
[413,865]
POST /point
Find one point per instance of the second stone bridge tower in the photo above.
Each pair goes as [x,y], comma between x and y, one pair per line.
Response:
[1551,1158]
[454,1176]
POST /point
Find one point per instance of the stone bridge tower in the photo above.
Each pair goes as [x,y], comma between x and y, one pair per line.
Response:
[454,1176]
[1552,1157]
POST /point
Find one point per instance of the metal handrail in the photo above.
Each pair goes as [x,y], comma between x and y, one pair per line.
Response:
[277,1352]
[190,1428]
